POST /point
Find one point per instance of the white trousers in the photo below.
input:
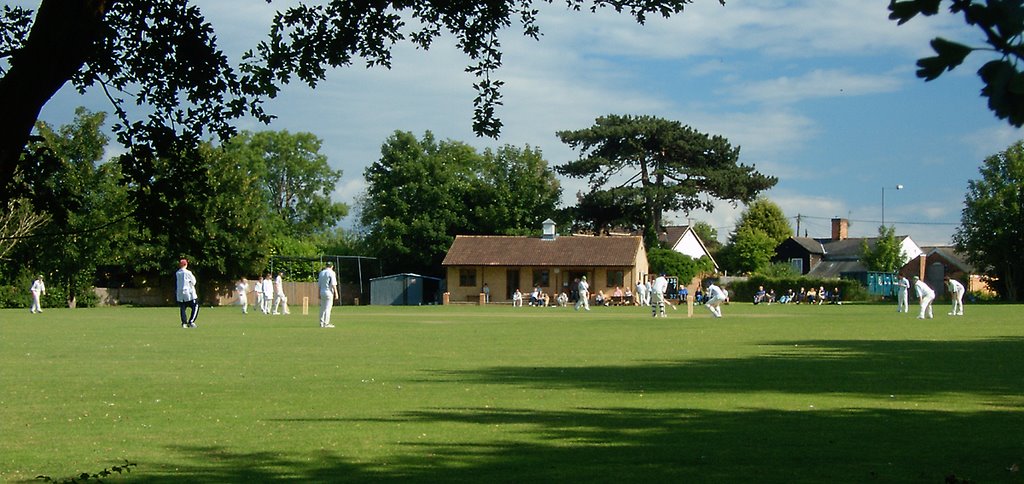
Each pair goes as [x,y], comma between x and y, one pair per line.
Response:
[279,301]
[584,301]
[36,307]
[958,302]
[926,307]
[715,306]
[326,304]
[902,306]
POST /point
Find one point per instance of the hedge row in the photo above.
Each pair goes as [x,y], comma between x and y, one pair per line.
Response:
[849,290]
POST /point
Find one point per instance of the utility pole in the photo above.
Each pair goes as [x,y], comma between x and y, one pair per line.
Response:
[797,225]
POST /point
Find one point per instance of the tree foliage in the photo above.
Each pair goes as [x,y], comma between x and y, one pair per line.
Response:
[198,204]
[85,202]
[768,217]
[886,255]
[1002,24]
[163,54]
[421,193]
[749,250]
[761,228]
[708,235]
[295,184]
[639,167]
[677,264]
[992,221]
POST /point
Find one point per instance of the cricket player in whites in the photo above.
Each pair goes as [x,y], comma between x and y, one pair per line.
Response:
[280,299]
[902,287]
[716,296]
[956,293]
[657,295]
[926,296]
[327,282]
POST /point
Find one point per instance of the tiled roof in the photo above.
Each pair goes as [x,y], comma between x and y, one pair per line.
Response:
[477,250]
[832,269]
[812,246]
[672,234]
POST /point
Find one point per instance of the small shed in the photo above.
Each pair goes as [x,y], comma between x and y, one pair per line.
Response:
[404,290]
[878,283]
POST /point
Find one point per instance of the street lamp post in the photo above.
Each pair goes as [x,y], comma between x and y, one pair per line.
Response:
[898,187]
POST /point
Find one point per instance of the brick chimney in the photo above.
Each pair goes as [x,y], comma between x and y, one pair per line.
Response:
[840,229]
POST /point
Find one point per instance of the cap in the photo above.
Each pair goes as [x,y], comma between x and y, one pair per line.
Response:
[584,278]
[183,262]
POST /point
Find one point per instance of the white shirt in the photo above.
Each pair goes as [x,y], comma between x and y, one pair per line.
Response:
[38,287]
[904,284]
[660,285]
[186,285]
[640,289]
[279,285]
[584,287]
[716,292]
[922,289]
[242,288]
[327,281]
[955,286]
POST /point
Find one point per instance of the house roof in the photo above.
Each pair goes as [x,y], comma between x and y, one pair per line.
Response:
[812,246]
[950,254]
[832,269]
[493,250]
[851,248]
[672,234]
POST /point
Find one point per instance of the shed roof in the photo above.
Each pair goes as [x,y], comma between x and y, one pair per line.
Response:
[494,250]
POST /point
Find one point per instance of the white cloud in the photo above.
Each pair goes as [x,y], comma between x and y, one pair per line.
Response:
[818,83]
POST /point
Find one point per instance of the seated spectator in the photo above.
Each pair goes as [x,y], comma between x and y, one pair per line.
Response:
[683,293]
[698,297]
[600,299]
[628,297]
[812,296]
[834,297]
[535,296]
[759,295]
[517,298]
[617,296]
[770,297]
[545,300]
[801,297]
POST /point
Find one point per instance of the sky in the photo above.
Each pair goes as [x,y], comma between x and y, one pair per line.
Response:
[819,93]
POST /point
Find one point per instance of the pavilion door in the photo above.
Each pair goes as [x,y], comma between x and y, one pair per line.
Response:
[511,283]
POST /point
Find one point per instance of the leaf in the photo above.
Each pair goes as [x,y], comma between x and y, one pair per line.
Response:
[903,11]
[950,55]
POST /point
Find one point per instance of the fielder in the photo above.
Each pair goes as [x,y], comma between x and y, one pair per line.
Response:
[280,300]
[38,289]
[327,281]
[956,293]
[186,294]
[584,294]
[716,296]
[903,286]
[926,295]
[243,300]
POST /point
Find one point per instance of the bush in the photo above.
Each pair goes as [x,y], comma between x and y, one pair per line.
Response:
[13,297]
[849,290]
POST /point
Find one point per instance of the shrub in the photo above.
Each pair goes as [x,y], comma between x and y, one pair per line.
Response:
[850,290]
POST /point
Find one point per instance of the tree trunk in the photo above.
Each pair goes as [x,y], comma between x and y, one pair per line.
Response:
[63,36]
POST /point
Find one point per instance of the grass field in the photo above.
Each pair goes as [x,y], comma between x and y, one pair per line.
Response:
[795,394]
